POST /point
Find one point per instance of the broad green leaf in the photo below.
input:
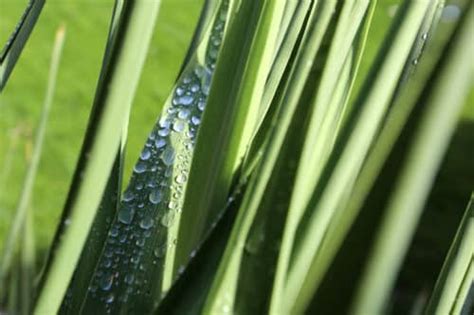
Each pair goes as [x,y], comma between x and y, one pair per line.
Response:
[129,40]
[12,49]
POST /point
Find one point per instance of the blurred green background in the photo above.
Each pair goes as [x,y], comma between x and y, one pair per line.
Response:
[87,24]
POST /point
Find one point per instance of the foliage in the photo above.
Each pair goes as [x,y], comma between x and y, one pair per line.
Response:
[288,170]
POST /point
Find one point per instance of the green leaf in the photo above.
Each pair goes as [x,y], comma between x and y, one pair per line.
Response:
[456,276]
[223,290]
[131,30]
[442,108]
[351,148]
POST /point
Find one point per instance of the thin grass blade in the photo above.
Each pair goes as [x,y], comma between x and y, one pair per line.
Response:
[21,212]
[456,268]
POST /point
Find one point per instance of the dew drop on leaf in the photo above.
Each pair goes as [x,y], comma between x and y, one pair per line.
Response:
[146,223]
[155,196]
[125,215]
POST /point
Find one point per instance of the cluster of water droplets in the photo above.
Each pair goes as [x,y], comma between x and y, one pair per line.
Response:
[153,199]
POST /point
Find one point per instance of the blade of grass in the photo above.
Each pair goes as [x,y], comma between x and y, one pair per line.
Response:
[103,140]
[27,252]
[22,208]
[464,304]
[289,36]
[265,41]
[405,204]
[322,125]
[12,50]
[456,268]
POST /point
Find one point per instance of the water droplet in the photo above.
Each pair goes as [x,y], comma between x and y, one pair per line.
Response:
[168,156]
[140,167]
[145,154]
[109,299]
[134,260]
[129,279]
[155,197]
[201,105]
[195,120]
[125,215]
[195,88]
[213,53]
[107,263]
[146,223]
[179,126]
[187,79]
[106,281]
[140,242]
[199,71]
[113,231]
[167,219]
[159,143]
[128,195]
[179,91]
[164,122]
[172,205]
[183,113]
[164,132]
[186,100]
[415,62]
[424,36]
[160,251]
[181,178]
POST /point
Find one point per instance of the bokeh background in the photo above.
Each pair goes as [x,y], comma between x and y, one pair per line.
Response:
[87,23]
